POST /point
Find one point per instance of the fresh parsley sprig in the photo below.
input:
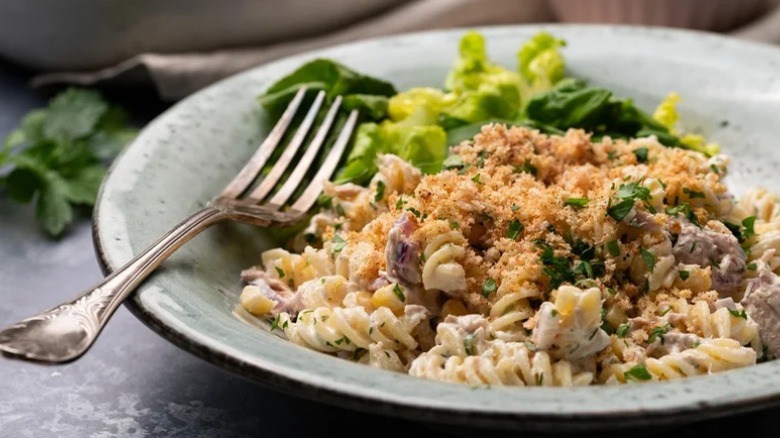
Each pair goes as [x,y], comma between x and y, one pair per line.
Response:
[58,154]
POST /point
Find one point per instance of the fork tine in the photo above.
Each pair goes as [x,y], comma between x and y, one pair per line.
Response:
[309,196]
[295,178]
[287,156]
[248,173]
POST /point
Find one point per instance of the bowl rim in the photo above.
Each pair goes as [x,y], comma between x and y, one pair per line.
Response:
[234,361]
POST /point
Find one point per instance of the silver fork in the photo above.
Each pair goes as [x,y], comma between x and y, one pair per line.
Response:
[67,331]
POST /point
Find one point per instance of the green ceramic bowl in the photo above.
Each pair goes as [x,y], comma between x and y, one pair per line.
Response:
[183,158]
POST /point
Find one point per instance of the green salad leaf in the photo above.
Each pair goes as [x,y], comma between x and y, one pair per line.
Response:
[481,89]
[573,104]
[57,155]
[410,133]
[541,63]
[359,91]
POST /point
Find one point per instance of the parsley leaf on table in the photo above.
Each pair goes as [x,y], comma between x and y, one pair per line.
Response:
[57,155]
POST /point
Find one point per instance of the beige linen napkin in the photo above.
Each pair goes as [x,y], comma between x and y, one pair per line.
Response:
[176,75]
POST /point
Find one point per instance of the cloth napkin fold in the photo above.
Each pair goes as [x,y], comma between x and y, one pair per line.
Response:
[175,76]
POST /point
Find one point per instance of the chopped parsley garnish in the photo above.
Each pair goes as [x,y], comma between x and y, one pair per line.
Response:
[340,210]
[658,333]
[452,162]
[342,340]
[481,158]
[668,309]
[556,267]
[604,324]
[577,202]
[637,372]
[415,212]
[751,266]
[488,287]
[515,228]
[622,330]
[515,207]
[715,169]
[649,258]
[641,154]
[611,291]
[468,344]
[692,194]
[585,269]
[633,191]
[275,322]
[684,275]
[398,292]
[686,210]
[476,179]
[554,312]
[454,225]
[527,167]
[611,155]
[358,353]
[399,204]
[380,191]
[738,313]
[621,209]
[279,271]
[749,224]
[338,243]
[736,230]
[613,248]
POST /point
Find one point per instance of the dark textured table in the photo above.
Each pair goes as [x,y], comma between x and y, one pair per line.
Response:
[135,384]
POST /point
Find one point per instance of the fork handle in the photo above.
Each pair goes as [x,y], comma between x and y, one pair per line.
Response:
[67,331]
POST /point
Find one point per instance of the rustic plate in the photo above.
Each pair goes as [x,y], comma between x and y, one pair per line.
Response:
[185,156]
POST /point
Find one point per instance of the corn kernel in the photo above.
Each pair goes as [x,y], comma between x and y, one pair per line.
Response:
[255,302]
[390,297]
[454,307]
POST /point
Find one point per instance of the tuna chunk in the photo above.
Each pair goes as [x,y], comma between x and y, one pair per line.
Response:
[762,304]
[274,289]
[673,342]
[703,247]
[401,254]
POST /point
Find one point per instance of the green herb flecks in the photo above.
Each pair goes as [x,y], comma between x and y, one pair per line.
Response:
[658,333]
[399,293]
[380,191]
[738,313]
[641,154]
[686,210]
[488,287]
[648,258]
[527,167]
[338,243]
[637,372]
[613,248]
[514,230]
[577,202]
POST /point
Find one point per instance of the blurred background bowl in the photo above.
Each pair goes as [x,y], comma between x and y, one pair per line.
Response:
[86,34]
[710,15]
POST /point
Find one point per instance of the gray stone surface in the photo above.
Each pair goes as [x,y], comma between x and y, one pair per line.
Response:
[135,384]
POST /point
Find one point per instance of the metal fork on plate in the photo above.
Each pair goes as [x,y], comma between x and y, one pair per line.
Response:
[67,331]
